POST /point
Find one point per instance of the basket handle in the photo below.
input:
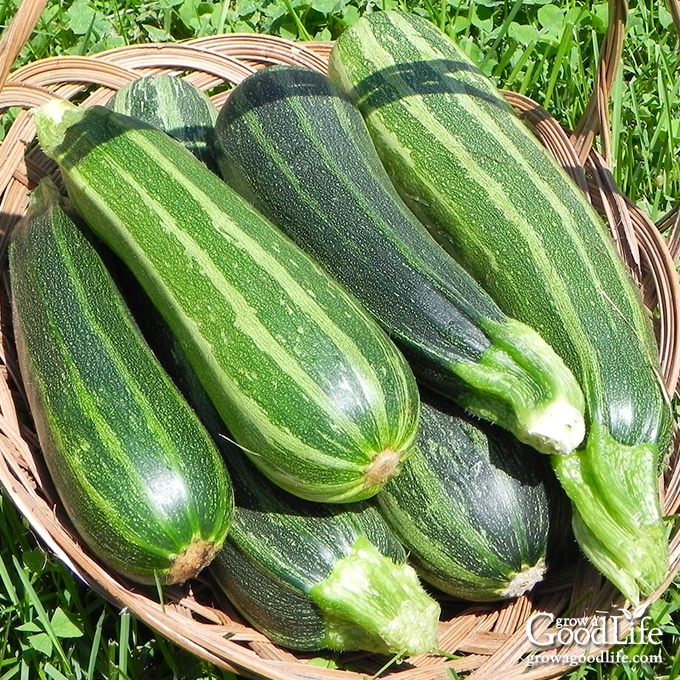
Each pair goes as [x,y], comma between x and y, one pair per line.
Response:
[17,33]
[674,9]
[595,120]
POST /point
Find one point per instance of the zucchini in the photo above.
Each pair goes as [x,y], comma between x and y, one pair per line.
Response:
[321,576]
[297,149]
[138,474]
[305,380]
[479,513]
[495,198]
[287,563]
[174,105]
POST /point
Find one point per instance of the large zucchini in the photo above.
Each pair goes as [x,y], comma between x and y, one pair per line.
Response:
[295,147]
[479,513]
[308,575]
[305,380]
[137,472]
[500,204]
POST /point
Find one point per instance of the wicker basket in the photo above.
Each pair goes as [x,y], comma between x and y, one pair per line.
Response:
[484,641]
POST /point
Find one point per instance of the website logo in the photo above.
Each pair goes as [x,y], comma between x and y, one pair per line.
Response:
[590,639]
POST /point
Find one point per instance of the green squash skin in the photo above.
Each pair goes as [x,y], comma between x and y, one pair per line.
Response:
[138,474]
[175,106]
[500,204]
[480,514]
[305,380]
[298,150]
[280,561]
[280,547]
[421,96]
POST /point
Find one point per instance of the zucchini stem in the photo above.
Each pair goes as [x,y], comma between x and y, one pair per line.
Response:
[524,580]
[191,561]
[617,517]
[370,602]
[382,468]
[526,388]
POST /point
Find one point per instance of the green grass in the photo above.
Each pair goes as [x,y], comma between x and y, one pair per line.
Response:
[547,50]
[51,625]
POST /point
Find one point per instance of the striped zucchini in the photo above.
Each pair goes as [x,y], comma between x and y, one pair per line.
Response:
[500,204]
[308,575]
[320,576]
[174,105]
[305,380]
[476,510]
[137,472]
[336,201]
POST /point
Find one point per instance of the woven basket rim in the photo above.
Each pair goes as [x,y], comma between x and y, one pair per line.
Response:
[490,639]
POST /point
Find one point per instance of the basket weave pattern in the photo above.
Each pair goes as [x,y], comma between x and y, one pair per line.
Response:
[489,641]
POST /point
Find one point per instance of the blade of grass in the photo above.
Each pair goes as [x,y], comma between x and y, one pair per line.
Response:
[94,650]
[84,47]
[8,583]
[617,104]
[35,602]
[521,62]
[124,643]
[304,34]
[10,673]
[503,31]
[222,22]
[642,131]
[566,41]
[54,673]
[526,80]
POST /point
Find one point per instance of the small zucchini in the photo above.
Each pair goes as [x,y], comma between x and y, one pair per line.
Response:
[137,472]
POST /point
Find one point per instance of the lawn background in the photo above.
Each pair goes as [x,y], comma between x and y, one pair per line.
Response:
[51,626]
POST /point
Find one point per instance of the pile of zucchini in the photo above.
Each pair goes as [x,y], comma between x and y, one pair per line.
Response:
[348,344]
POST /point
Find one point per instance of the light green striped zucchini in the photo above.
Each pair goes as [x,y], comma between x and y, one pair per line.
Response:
[174,105]
[138,474]
[336,201]
[305,380]
[308,575]
[500,204]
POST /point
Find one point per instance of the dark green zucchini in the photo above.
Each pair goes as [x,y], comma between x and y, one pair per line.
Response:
[137,472]
[319,576]
[477,510]
[174,105]
[294,146]
[308,575]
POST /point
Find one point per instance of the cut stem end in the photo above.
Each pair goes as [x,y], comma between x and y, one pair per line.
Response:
[524,581]
[558,429]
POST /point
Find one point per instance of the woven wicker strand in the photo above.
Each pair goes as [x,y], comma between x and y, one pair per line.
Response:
[485,642]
